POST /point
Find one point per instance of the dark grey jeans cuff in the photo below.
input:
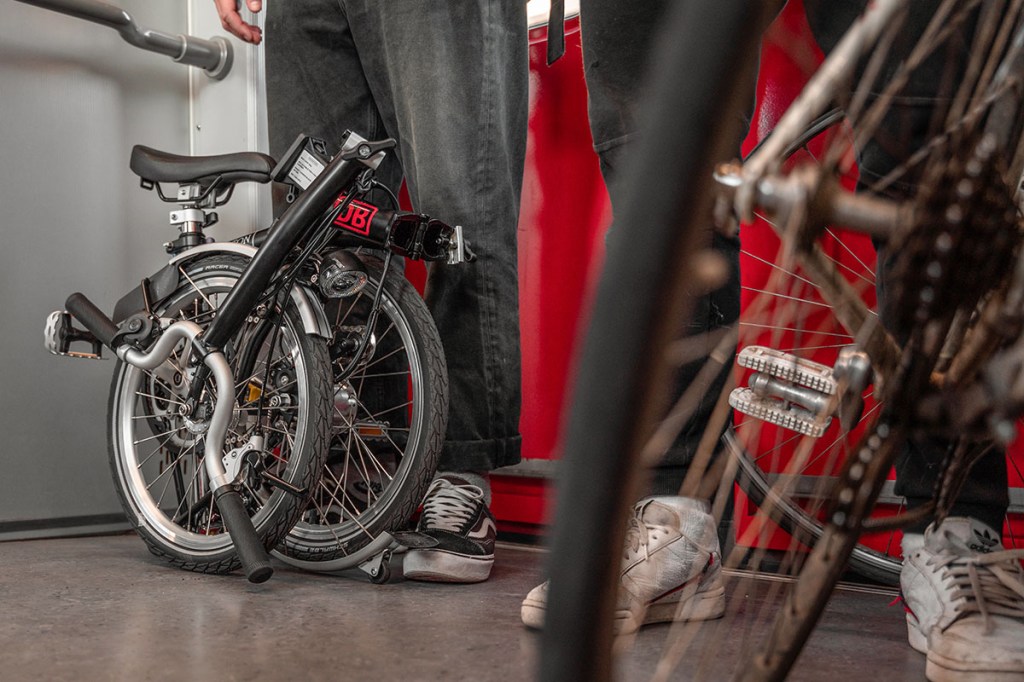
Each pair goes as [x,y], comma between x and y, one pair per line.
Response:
[480,455]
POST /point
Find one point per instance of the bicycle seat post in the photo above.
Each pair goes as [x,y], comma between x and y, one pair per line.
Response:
[192,217]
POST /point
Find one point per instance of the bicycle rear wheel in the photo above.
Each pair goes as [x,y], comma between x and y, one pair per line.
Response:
[390,416]
[785,309]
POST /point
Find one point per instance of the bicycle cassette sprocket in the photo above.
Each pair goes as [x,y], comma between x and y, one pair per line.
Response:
[963,240]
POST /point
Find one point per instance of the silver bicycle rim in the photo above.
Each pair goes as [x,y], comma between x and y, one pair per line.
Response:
[133,463]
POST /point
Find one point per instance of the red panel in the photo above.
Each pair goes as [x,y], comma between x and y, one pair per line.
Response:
[564,213]
[519,501]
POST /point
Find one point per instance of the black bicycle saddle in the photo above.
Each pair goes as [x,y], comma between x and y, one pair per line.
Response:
[157,166]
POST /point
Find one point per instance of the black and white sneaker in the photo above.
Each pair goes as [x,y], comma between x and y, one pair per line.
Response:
[456,518]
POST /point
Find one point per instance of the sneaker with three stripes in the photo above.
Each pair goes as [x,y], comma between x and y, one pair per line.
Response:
[964,597]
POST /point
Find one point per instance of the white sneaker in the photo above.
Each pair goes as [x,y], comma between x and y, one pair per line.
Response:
[671,569]
[964,596]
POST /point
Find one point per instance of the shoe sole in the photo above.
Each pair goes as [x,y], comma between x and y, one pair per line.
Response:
[941,669]
[706,605]
[702,606]
[438,566]
[532,613]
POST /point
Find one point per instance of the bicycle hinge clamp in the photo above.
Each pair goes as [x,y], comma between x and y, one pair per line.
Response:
[191,222]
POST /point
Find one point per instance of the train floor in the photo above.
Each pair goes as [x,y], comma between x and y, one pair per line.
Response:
[102,608]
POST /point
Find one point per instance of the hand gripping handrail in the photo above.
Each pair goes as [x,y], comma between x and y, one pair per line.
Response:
[213,56]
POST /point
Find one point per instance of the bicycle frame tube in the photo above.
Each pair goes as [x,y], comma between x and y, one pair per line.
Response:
[295,224]
[1003,121]
[815,97]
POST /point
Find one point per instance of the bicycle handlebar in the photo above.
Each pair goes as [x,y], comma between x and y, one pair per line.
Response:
[253,556]
[94,319]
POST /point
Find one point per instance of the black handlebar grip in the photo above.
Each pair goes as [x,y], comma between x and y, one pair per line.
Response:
[254,557]
[92,318]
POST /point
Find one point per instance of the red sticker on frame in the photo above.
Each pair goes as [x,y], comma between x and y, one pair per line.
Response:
[357,217]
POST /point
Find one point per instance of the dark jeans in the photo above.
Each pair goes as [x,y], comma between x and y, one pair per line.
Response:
[904,129]
[448,80]
[617,41]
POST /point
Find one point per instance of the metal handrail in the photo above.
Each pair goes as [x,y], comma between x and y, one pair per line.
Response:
[213,56]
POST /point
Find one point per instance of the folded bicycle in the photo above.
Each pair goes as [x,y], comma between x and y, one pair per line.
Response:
[285,391]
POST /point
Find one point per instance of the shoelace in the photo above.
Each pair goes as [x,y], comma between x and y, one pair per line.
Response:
[639,534]
[990,584]
[448,506]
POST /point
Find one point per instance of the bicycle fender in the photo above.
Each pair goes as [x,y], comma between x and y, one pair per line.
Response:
[311,312]
[161,285]
[166,280]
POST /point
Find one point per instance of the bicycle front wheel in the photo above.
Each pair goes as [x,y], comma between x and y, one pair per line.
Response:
[650,280]
[282,414]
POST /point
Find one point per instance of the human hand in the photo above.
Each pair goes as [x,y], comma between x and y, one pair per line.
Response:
[232,22]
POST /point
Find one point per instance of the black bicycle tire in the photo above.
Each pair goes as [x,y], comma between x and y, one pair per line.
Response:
[864,561]
[644,276]
[400,503]
[310,456]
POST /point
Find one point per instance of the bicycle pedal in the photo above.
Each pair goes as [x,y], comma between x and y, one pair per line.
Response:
[787,415]
[797,370]
[60,333]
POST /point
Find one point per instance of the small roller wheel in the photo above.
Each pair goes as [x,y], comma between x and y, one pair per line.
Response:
[382,573]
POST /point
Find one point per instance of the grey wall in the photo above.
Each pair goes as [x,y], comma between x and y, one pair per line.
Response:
[74,98]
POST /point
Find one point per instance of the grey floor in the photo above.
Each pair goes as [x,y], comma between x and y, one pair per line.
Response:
[101,608]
